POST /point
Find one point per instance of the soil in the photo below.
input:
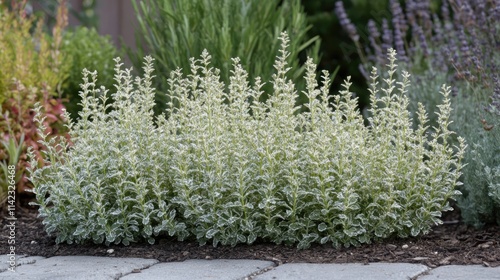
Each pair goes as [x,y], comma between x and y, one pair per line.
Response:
[450,243]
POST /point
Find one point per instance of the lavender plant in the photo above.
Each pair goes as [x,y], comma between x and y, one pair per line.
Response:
[455,46]
[222,167]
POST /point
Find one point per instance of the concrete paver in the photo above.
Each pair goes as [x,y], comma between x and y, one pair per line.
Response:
[201,269]
[463,272]
[78,267]
[20,260]
[88,267]
[374,271]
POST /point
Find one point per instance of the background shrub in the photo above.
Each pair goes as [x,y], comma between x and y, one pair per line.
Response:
[32,71]
[452,44]
[221,166]
[85,48]
[174,31]
[84,12]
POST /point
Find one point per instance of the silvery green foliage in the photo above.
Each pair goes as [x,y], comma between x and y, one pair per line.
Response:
[224,168]
[108,187]
[480,204]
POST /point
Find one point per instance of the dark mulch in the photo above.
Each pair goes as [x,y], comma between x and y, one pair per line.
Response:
[451,243]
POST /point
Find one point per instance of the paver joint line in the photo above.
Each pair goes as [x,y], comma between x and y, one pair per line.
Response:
[422,274]
[137,270]
[260,272]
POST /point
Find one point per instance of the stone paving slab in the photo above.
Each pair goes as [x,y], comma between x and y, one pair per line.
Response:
[20,260]
[87,267]
[373,271]
[463,272]
[202,269]
[78,268]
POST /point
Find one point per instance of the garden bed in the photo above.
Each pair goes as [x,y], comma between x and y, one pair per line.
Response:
[451,243]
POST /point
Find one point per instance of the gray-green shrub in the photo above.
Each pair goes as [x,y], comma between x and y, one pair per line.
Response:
[226,168]
[459,47]
[480,204]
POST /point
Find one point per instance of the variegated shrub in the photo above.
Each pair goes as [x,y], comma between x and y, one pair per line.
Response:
[222,167]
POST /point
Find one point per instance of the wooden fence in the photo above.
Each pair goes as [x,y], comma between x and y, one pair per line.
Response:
[117,19]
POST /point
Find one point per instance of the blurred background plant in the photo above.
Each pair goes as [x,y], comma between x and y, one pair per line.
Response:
[454,43]
[85,13]
[32,71]
[42,62]
[173,31]
[85,48]
[13,149]
[82,46]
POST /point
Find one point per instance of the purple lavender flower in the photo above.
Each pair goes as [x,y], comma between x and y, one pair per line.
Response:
[466,16]
[400,46]
[422,10]
[445,11]
[387,39]
[400,28]
[463,38]
[480,11]
[419,34]
[374,38]
[495,13]
[477,64]
[410,12]
[372,28]
[345,22]
[437,27]
[398,17]
[464,44]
